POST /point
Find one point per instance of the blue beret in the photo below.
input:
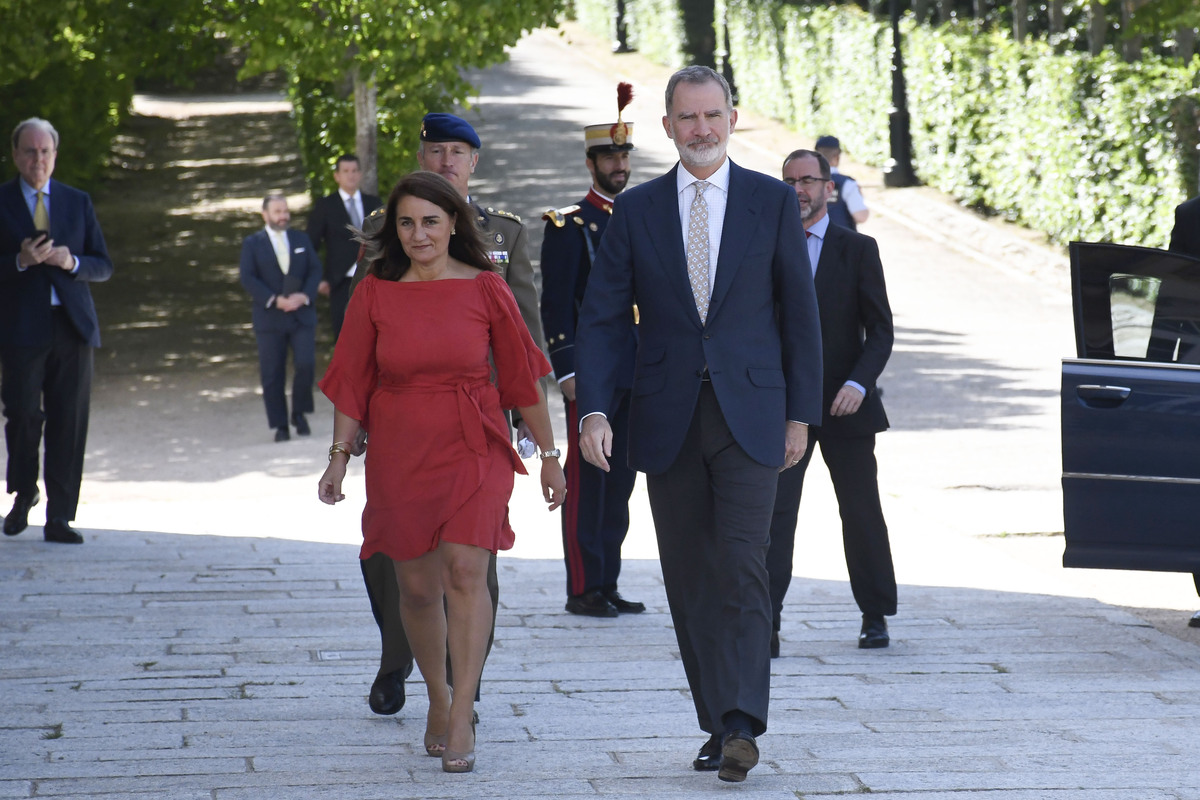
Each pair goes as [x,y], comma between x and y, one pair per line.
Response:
[448,128]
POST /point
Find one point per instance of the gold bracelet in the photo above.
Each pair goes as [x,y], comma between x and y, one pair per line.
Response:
[339,447]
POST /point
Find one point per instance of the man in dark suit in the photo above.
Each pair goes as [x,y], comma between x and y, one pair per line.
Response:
[51,248]
[1185,238]
[856,338]
[728,374]
[449,146]
[280,270]
[327,225]
[595,516]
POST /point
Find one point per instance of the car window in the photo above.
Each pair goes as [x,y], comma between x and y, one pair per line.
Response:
[1135,303]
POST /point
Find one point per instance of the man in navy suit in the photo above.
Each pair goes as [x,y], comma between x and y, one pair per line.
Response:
[51,247]
[595,516]
[728,373]
[327,225]
[280,270]
[856,337]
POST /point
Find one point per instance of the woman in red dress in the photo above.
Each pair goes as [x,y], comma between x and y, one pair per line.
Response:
[412,368]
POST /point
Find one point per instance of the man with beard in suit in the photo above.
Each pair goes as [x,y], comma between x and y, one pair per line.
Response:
[327,226]
[280,270]
[727,376]
[856,340]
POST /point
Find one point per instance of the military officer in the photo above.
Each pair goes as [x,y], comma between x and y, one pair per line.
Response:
[450,147]
[595,517]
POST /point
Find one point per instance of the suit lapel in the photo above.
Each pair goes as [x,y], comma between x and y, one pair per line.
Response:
[832,255]
[14,205]
[666,233]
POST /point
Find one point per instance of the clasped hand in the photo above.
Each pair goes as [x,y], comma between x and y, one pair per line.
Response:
[41,250]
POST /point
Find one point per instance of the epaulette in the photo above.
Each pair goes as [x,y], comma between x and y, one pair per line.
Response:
[505,214]
[559,215]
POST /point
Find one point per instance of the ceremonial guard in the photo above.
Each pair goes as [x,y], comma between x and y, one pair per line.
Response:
[595,516]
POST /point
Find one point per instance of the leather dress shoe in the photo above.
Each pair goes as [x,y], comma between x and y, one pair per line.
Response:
[1194,622]
[874,632]
[622,605]
[774,644]
[387,692]
[739,755]
[18,519]
[59,531]
[591,604]
[301,424]
[709,758]
[281,434]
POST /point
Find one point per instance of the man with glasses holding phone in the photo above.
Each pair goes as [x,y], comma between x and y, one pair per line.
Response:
[856,338]
[51,248]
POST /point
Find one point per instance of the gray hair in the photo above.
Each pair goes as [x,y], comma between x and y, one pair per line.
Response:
[696,74]
[34,122]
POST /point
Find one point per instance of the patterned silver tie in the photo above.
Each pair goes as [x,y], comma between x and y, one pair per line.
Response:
[697,249]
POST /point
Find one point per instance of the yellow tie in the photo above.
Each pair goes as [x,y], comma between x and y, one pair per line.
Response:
[41,219]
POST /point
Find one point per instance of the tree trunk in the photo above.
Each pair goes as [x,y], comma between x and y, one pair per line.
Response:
[945,11]
[366,130]
[1185,43]
[1020,20]
[980,11]
[1058,17]
[1097,27]
[921,11]
[1131,46]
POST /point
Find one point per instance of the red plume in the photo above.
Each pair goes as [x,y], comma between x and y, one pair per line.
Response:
[624,95]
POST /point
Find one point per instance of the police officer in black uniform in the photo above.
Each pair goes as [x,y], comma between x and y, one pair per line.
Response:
[595,516]
[449,146]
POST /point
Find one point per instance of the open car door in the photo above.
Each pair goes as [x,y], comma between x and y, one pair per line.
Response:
[1131,411]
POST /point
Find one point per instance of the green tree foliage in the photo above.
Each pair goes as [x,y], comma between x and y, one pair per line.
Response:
[75,62]
[415,52]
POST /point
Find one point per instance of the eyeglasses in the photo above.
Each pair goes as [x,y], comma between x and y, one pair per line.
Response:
[806,181]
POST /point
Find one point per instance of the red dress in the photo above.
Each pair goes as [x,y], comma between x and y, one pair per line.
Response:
[411,364]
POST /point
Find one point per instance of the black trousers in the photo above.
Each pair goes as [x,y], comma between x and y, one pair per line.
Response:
[273,346]
[339,298]
[712,516]
[595,516]
[854,472]
[50,386]
[379,574]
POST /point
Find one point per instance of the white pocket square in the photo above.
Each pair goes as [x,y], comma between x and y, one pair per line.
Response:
[298,250]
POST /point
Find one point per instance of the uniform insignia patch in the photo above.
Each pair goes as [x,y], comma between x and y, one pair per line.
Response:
[499,238]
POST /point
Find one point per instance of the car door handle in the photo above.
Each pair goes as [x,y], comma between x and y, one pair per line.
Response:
[1095,396]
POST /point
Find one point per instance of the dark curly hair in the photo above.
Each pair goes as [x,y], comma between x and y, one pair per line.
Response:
[466,245]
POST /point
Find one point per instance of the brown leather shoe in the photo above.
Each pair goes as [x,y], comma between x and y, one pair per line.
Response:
[739,755]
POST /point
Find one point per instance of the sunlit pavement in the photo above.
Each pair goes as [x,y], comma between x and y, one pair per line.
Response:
[212,638]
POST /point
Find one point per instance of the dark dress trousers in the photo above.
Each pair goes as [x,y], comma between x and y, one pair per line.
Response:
[595,516]
[277,331]
[856,340]
[45,352]
[709,409]
[327,227]
[508,249]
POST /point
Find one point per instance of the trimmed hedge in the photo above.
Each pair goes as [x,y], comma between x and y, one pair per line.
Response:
[1076,146]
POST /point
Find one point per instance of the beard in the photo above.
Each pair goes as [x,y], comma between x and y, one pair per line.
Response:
[701,154]
[612,183]
[813,208]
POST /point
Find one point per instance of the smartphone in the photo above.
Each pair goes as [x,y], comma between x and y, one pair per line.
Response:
[38,234]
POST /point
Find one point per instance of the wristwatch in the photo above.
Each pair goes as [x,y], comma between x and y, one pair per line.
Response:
[555,453]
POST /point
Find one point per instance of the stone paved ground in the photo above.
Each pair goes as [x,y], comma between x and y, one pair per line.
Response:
[211,640]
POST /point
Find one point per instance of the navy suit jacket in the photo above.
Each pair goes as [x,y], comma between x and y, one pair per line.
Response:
[856,327]
[761,341]
[327,225]
[25,319]
[263,278]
